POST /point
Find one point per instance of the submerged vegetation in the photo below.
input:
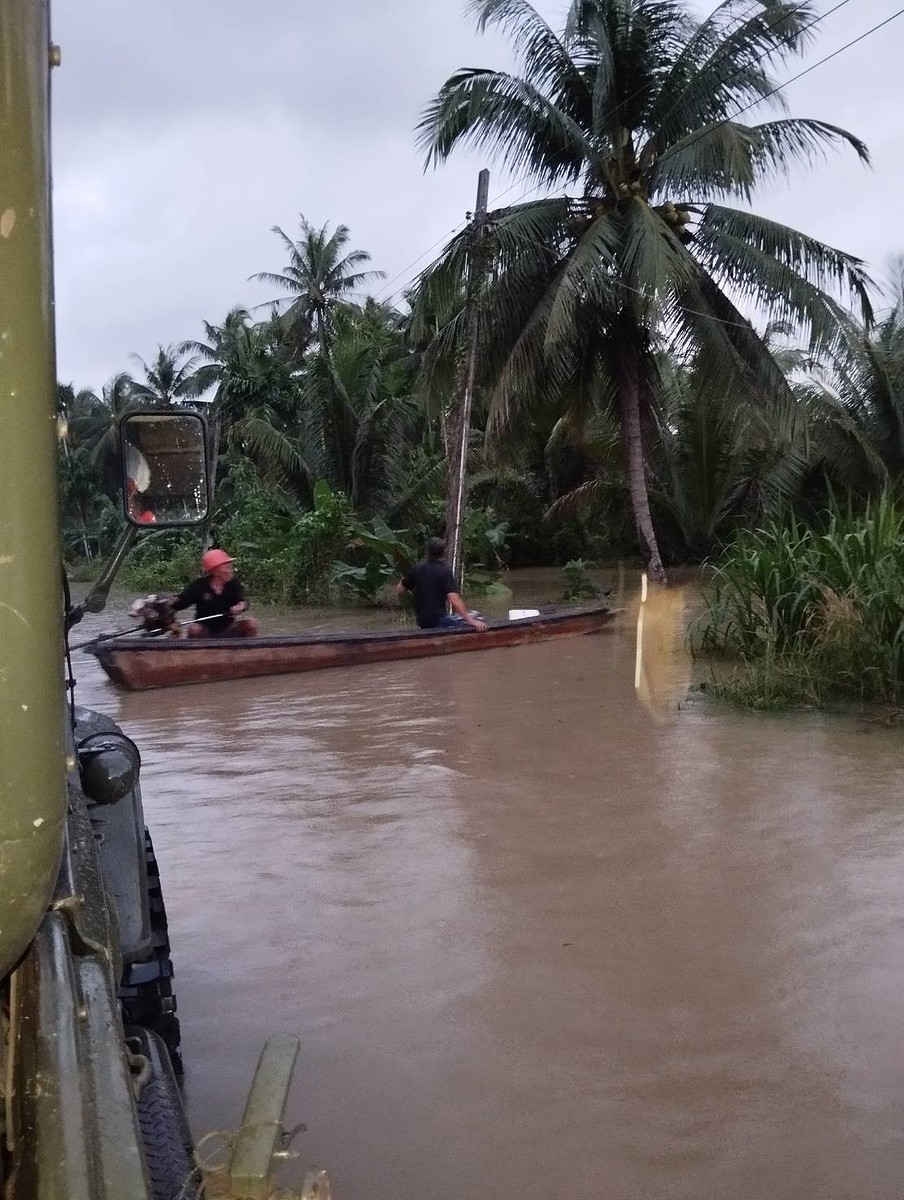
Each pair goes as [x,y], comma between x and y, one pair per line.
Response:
[625,406]
[813,613]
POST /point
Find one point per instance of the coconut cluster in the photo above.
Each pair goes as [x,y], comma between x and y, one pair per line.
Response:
[677,219]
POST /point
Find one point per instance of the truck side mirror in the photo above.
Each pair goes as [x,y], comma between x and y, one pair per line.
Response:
[164,469]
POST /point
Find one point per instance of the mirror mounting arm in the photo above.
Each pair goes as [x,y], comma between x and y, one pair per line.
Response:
[96,599]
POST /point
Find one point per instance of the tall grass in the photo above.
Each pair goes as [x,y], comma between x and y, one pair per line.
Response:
[812,614]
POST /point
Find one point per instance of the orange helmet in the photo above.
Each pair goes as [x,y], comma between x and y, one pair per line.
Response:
[211,559]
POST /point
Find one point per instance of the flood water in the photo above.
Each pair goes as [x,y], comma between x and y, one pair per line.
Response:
[537,939]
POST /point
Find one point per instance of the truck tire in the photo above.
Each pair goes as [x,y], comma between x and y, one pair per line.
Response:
[164,1129]
[146,992]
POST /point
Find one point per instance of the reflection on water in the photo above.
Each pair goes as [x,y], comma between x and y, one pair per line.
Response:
[536,942]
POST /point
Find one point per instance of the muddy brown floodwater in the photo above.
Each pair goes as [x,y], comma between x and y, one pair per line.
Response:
[536,942]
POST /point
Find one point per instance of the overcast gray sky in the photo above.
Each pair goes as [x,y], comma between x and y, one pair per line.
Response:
[185,129]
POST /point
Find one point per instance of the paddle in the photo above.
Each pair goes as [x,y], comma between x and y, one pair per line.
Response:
[105,637]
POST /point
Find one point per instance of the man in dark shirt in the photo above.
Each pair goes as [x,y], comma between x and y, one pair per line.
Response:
[219,599]
[432,585]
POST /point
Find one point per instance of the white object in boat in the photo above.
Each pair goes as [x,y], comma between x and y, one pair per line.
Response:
[520,614]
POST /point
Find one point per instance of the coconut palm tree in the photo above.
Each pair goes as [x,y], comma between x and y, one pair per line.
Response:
[168,380]
[856,403]
[216,351]
[717,461]
[253,408]
[361,419]
[720,463]
[631,118]
[91,420]
[88,465]
[320,274]
[245,364]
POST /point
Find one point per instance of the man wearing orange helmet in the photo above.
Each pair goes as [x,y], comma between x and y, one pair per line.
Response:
[219,600]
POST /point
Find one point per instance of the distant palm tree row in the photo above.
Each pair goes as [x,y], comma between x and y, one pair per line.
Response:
[626,402]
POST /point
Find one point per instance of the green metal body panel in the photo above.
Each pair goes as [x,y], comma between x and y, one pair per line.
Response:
[79,1138]
[32,758]
[75,1104]
[261,1134]
[71,1124]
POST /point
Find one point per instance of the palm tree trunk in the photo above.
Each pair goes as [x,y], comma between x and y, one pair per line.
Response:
[629,386]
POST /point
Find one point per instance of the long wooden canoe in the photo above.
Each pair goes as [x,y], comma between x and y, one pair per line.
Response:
[139,663]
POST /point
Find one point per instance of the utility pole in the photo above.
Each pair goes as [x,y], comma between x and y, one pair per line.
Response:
[459,420]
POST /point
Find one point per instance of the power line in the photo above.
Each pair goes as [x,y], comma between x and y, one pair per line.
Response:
[794,78]
[404,271]
[452,232]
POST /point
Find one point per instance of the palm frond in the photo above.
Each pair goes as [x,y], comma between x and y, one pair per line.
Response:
[542,54]
[500,114]
[423,483]
[589,274]
[708,325]
[654,265]
[713,160]
[582,500]
[286,282]
[785,143]
[277,455]
[529,228]
[746,250]
[722,67]
[527,371]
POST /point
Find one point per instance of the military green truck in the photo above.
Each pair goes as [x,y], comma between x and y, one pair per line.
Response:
[89,1052]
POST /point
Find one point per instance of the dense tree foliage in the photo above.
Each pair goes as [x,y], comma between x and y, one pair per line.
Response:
[626,407]
[630,117]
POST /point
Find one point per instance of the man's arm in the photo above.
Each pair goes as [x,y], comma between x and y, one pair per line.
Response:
[241,603]
[459,606]
[186,598]
[404,584]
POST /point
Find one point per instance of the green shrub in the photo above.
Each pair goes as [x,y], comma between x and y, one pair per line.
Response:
[813,613]
[484,539]
[487,584]
[578,584]
[286,554]
[378,556]
[164,561]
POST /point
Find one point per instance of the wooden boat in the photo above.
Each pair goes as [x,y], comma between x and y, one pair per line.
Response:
[139,663]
